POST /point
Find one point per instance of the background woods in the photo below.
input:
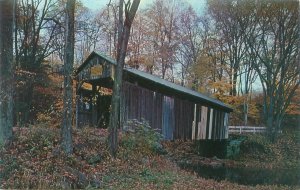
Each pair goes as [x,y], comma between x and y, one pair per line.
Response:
[103,94]
[245,53]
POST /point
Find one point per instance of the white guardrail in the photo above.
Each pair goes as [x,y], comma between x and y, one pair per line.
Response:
[246,129]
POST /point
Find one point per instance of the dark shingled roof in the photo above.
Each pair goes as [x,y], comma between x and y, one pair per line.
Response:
[158,82]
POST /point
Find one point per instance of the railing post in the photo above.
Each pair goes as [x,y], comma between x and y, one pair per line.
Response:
[240,129]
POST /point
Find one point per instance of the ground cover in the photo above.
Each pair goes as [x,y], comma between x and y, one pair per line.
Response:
[34,160]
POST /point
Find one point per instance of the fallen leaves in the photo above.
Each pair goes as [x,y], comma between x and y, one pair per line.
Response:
[34,160]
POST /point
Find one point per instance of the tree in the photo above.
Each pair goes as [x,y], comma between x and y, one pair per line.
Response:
[234,23]
[107,22]
[68,81]
[123,37]
[231,23]
[193,41]
[86,32]
[36,27]
[161,24]
[275,45]
[6,69]
[136,44]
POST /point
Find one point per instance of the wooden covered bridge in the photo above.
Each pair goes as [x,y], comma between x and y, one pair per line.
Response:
[177,112]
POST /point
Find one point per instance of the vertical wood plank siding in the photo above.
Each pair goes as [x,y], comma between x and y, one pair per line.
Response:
[171,116]
[141,103]
[203,122]
[174,117]
[184,117]
[211,113]
[226,124]
[168,118]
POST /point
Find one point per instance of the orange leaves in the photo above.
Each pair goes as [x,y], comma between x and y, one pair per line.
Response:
[294,107]
[239,104]
[69,175]
[221,87]
[45,90]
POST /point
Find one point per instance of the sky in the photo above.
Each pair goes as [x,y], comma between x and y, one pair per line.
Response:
[94,5]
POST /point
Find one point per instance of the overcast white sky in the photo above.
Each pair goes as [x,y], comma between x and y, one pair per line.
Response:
[94,5]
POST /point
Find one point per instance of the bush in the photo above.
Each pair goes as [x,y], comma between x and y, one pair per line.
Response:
[255,144]
[140,138]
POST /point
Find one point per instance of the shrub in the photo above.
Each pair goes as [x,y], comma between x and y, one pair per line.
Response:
[250,146]
[140,138]
[255,144]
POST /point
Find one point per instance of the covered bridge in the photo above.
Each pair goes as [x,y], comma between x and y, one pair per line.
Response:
[177,112]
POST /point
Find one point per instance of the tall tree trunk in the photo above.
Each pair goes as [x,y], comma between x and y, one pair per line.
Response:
[235,77]
[123,37]
[246,108]
[68,83]
[6,69]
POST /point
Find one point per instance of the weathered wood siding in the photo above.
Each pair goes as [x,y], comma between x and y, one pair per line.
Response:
[96,69]
[184,117]
[141,103]
[168,118]
[202,123]
[175,118]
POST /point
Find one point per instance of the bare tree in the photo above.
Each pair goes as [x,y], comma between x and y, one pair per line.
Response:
[107,22]
[235,21]
[194,33]
[123,37]
[68,81]
[275,45]
[87,30]
[36,26]
[161,24]
[227,16]
[6,69]
[35,18]
[136,45]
